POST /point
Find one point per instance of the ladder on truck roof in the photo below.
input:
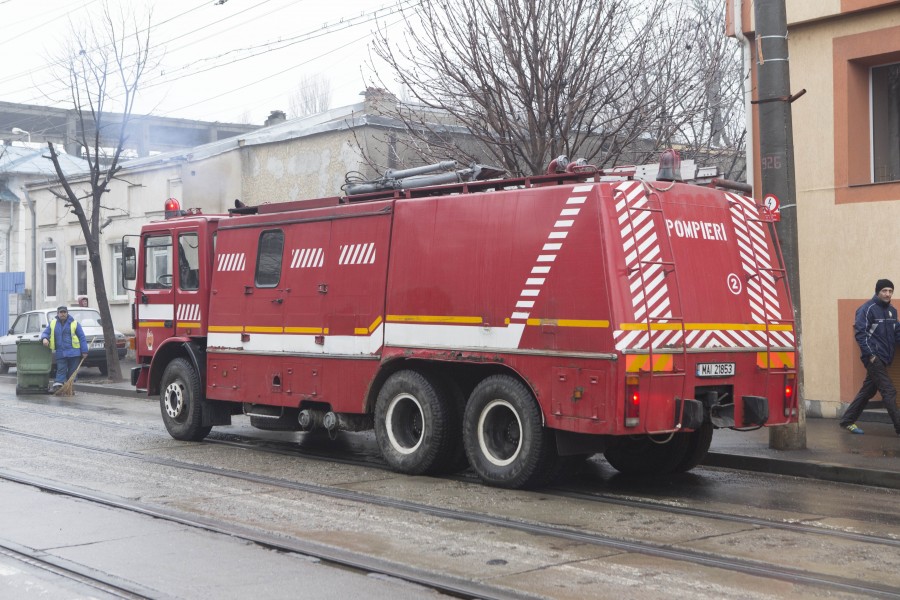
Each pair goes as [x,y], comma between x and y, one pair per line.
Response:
[766,274]
[648,263]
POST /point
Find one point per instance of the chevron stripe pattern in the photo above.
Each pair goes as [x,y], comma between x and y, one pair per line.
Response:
[234,261]
[307,258]
[549,251]
[357,254]
[757,264]
[649,289]
[188,312]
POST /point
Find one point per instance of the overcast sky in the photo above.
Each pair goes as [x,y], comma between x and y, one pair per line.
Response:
[229,61]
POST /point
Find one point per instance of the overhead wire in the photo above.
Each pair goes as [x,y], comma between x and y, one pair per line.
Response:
[226,58]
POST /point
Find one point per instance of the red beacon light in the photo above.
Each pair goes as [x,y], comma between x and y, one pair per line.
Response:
[173,208]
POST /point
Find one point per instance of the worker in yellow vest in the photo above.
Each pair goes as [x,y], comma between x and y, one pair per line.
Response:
[66,339]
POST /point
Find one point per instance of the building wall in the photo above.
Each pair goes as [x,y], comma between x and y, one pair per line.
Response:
[846,224]
[313,167]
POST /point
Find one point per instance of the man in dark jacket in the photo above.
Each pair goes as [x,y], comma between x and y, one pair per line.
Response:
[877,332]
[66,339]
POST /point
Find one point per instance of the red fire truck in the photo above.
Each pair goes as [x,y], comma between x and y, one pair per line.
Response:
[517,324]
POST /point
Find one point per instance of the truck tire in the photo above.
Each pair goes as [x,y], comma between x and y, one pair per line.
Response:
[4,368]
[697,447]
[504,435]
[180,402]
[413,425]
[647,455]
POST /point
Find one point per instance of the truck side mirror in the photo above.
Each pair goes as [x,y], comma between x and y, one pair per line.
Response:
[129,264]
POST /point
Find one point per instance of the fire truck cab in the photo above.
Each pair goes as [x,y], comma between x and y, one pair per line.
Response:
[519,325]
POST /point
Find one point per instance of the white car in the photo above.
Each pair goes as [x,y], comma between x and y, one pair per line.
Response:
[29,325]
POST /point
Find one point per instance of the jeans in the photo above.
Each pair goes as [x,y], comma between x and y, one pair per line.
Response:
[877,380]
[65,367]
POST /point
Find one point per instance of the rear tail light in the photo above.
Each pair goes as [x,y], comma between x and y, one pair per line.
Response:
[790,395]
[632,401]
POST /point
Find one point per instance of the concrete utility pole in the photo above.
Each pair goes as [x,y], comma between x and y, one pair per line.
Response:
[776,150]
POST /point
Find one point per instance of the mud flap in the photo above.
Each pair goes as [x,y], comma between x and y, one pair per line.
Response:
[692,418]
[214,413]
[756,411]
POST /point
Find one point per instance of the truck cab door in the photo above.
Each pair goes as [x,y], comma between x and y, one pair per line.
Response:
[155,300]
[189,315]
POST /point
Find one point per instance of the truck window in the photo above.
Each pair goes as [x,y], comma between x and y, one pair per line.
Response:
[268,259]
[157,262]
[188,262]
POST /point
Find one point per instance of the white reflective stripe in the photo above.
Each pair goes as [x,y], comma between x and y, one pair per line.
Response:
[156,312]
[342,345]
[454,336]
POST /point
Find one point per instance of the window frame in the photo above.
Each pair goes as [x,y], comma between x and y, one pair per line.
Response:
[45,261]
[260,257]
[118,291]
[78,261]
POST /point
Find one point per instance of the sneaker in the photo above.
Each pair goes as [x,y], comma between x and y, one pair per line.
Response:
[852,428]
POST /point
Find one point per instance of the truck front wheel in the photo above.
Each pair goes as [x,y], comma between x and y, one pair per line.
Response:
[180,402]
[504,435]
[413,425]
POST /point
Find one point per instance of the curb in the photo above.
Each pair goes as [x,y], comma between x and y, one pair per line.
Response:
[808,470]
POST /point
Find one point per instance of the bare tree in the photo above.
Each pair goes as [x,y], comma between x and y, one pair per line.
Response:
[519,82]
[102,65]
[312,95]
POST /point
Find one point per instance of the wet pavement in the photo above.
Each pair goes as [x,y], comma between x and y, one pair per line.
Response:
[831,453]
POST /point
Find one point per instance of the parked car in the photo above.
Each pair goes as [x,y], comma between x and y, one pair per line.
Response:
[29,325]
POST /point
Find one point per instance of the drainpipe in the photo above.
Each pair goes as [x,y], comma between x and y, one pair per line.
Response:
[33,250]
[8,237]
[738,12]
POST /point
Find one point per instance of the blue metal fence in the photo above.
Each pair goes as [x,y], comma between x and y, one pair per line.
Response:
[10,283]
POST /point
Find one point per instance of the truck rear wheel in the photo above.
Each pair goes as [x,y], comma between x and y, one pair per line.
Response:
[647,455]
[504,435]
[697,446]
[413,425]
[180,402]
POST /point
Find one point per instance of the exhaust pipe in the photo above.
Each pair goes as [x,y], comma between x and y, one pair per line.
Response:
[335,422]
[310,419]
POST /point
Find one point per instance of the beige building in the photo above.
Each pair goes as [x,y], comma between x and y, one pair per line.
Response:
[846,54]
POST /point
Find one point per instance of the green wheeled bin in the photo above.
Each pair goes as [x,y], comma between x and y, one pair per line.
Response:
[33,361]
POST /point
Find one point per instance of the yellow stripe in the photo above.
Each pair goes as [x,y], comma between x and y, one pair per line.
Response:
[191,325]
[372,327]
[152,324]
[314,330]
[431,319]
[227,328]
[705,327]
[256,329]
[569,322]
[654,326]
[636,363]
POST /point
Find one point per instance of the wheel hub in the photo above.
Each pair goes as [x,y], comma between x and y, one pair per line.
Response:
[174,400]
[500,433]
[405,423]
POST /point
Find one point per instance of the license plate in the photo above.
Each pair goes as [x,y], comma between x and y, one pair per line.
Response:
[715,369]
[96,345]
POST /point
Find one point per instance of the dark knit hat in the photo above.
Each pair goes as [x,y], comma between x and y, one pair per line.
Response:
[59,308]
[883,283]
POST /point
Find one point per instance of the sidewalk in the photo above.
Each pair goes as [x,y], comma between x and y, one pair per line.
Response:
[831,453]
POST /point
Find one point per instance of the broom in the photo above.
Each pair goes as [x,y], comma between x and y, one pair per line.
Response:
[68,388]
